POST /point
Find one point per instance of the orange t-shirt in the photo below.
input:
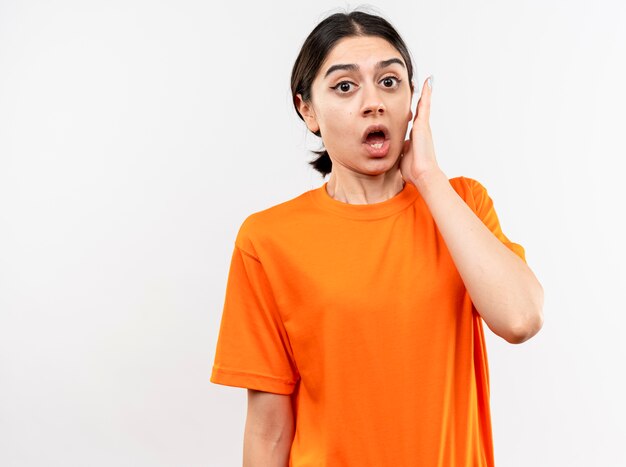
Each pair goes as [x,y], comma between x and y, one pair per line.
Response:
[359,313]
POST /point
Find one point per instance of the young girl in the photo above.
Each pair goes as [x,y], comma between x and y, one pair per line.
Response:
[353,312]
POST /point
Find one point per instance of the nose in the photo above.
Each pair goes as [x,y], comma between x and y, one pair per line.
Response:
[372,103]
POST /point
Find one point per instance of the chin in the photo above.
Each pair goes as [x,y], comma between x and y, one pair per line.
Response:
[380,166]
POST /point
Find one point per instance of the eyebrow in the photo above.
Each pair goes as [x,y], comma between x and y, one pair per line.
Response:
[355,67]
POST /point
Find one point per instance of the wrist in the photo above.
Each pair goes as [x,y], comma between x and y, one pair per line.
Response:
[429,178]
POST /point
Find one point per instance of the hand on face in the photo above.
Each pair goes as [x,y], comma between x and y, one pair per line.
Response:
[418,155]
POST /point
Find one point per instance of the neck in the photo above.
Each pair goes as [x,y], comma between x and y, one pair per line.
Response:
[363,189]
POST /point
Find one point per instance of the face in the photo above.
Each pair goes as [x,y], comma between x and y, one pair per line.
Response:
[347,100]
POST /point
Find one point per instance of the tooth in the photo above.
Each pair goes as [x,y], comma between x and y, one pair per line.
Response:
[377,145]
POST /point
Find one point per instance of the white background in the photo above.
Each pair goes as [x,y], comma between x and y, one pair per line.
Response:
[136,136]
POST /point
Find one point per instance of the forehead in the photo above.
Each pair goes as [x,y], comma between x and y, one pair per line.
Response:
[364,51]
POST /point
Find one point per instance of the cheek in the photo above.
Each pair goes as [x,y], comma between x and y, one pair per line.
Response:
[335,120]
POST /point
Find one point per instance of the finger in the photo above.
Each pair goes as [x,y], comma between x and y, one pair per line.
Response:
[423,105]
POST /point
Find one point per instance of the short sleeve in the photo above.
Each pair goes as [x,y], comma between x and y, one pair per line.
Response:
[253,349]
[485,210]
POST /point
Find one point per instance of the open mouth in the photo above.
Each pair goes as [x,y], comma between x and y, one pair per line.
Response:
[376,139]
[375,136]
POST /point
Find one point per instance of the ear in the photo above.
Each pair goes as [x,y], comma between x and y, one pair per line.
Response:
[307,112]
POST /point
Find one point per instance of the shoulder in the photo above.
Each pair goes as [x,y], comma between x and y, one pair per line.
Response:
[470,189]
[266,224]
[465,183]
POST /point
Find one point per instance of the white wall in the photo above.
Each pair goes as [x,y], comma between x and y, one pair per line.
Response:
[136,136]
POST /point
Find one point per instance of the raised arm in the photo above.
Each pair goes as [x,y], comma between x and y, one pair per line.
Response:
[503,288]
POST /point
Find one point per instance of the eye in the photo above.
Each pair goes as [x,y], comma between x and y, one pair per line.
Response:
[343,85]
[388,78]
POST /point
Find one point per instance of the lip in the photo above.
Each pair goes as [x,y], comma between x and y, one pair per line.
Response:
[378,152]
[375,127]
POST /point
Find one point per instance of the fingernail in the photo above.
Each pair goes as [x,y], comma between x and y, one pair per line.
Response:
[430,81]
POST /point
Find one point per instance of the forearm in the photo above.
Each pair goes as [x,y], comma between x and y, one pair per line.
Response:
[502,287]
[262,450]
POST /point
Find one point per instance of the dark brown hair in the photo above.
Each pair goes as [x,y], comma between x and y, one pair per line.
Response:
[316,48]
